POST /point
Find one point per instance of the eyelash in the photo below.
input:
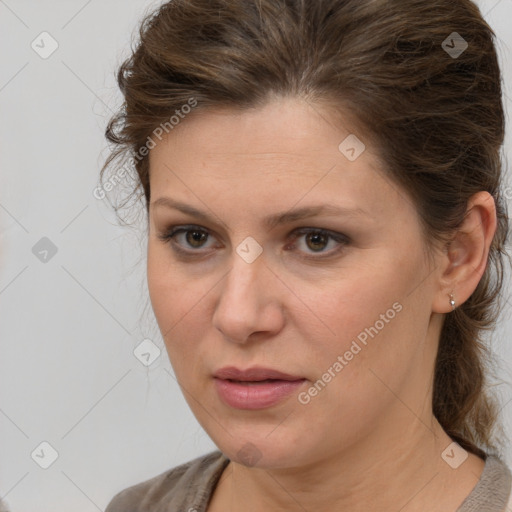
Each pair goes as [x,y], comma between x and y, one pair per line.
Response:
[170,234]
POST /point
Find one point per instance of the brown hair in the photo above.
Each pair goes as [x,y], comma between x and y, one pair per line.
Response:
[435,118]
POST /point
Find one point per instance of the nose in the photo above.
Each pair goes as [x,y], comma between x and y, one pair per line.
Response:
[249,305]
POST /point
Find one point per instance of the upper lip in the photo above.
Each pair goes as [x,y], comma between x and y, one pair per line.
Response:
[253,374]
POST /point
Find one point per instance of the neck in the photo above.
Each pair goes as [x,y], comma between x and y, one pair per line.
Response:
[405,472]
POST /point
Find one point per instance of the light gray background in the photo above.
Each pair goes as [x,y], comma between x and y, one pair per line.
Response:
[69,326]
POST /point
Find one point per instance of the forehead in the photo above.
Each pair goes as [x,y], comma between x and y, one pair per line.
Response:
[286,131]
[282,153]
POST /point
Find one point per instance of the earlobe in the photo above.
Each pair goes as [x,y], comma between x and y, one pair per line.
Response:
[465,257]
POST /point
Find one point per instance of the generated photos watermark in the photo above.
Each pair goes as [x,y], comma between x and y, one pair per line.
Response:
[158,133]
[342,361]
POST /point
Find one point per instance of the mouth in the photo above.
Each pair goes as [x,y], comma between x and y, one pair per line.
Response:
[256,395]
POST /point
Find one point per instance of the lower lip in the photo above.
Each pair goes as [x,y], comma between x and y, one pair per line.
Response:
[254,395]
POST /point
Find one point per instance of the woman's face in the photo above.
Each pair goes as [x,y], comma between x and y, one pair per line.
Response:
[347,309]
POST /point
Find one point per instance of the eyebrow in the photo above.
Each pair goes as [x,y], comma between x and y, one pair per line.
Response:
[269,221]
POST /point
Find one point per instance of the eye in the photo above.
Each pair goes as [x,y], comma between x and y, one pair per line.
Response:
[316,240]
[194,237]
[187,240]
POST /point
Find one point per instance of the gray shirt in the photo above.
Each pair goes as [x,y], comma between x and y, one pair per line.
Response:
[189,487]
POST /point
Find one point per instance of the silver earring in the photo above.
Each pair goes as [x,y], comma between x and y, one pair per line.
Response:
[452,302]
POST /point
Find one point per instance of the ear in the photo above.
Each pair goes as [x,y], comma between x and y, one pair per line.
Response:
[465,258]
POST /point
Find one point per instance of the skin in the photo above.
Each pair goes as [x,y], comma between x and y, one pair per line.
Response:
[369,439]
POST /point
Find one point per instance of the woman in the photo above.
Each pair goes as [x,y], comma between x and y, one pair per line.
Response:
[326,244]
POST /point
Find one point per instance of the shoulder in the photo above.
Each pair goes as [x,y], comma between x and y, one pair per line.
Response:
[188,485]
[493,490]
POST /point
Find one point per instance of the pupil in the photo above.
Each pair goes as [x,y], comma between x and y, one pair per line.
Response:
[195,236]
[317,239]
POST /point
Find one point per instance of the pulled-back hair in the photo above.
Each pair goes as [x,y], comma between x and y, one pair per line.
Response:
[434,116]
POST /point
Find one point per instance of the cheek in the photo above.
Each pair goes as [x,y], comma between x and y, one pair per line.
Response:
[355,301]
[172,293]
[368,314]
[167,293]
[179,301]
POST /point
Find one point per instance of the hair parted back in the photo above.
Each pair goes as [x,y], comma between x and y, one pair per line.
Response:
[437,123]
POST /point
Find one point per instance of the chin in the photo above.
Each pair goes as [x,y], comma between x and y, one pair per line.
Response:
[264,452]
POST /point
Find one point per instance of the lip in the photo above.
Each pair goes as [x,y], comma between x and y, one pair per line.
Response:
[253,374]
[244,389]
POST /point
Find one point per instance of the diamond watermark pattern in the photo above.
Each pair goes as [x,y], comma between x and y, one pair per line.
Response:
[249,249]
[147,352]
[44,45]
[454,45]
[454,455]
[44,250]
[44,455]
[351,147]
[249,454]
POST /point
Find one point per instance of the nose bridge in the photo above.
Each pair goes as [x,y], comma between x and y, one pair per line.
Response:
[243,280]
[247,267]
